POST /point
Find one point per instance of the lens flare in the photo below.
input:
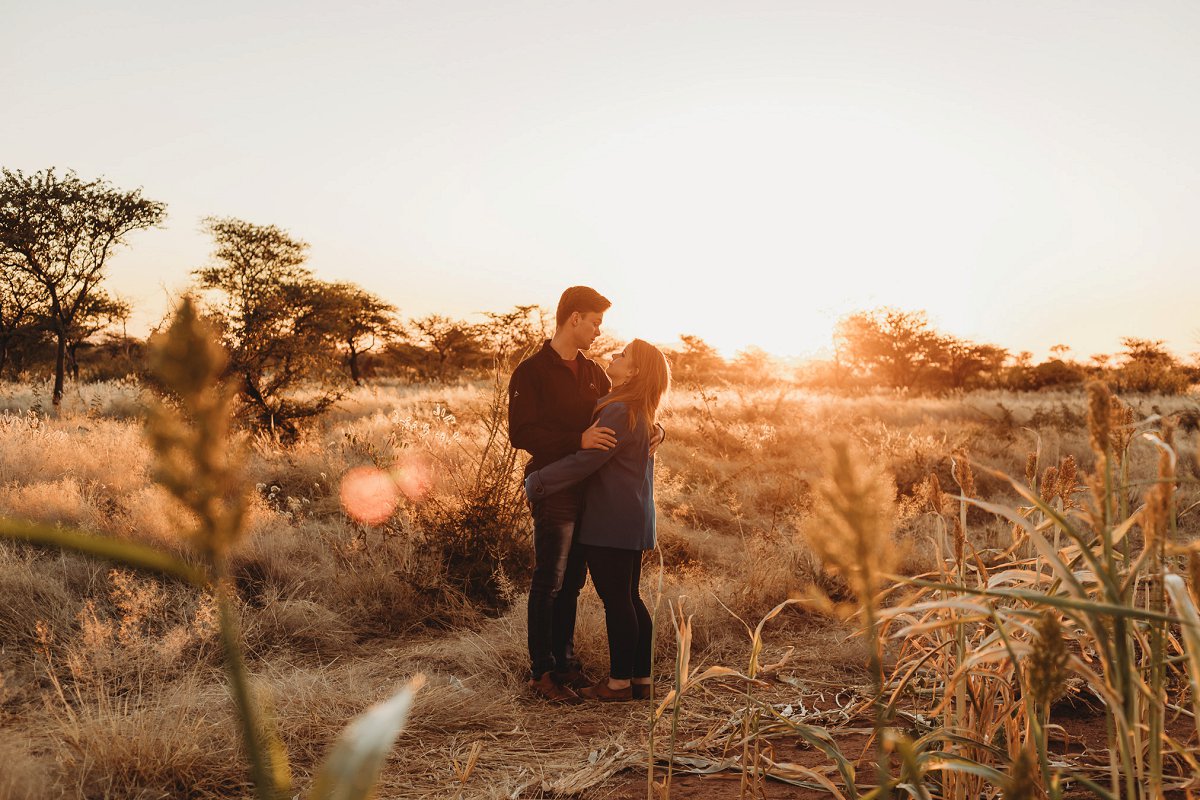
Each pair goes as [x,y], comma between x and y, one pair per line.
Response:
[414,478]
[369,495]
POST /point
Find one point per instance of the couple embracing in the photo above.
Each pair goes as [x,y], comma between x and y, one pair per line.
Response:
[592,434]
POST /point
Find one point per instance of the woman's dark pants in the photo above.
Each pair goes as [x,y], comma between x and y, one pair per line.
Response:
[559,572]
[616,573]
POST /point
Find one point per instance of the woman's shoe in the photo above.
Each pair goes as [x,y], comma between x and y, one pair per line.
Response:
[601,691]
[641,691]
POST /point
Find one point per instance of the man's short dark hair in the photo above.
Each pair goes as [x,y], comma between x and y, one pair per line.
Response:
[583,299]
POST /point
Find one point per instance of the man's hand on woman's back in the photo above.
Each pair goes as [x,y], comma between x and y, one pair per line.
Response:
[660,434]
[598,438]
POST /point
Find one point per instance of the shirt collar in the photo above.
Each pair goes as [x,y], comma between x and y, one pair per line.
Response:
[549,352]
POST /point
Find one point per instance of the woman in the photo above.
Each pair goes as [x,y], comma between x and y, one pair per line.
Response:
[617,522]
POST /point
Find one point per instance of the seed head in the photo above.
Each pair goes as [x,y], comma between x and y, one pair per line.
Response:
[1031,464]
[1049,487]
[1048,667]
[853,514]
[1022,783]
[195,458]
[1068,472]
[935,495]
[960,468]
[1099,421]
[187,358]
[1120,426]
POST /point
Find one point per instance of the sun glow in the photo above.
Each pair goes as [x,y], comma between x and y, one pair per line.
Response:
[771,247]
[744,177]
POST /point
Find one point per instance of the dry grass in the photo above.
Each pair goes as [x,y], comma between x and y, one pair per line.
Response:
[335,615]
[166,743]
[24,774]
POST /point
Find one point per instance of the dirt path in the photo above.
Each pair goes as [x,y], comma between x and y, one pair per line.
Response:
[472,712]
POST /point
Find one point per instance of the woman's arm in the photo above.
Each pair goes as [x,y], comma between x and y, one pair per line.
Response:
[572,469]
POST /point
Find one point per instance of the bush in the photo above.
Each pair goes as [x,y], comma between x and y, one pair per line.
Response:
[481,527]
[484,549]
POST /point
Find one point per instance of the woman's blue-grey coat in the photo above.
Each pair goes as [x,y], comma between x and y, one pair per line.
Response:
[618,506]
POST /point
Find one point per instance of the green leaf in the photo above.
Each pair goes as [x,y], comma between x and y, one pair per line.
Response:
[107,548]
[1182,600]
[1057,601]
[351,770]
[952,763]
[1044,547]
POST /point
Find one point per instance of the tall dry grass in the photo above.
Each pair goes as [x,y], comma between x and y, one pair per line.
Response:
[197,461]
[993,639]
[990,642]
[333,612]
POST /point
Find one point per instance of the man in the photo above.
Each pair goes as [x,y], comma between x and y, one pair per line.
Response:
[551,397]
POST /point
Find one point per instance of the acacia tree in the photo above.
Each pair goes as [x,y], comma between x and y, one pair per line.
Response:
[446,342]
[60,233]
[512,335]
[753,367]
[964,363]
[697,361]
[277,322]
[1148,366]
[361,321]
[20,312]
[101,311]
[893,343]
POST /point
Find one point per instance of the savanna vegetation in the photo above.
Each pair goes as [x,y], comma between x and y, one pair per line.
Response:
[900,571]
[298,342]
[114,682]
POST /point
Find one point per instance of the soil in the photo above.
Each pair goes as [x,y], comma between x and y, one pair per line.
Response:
[1081,729]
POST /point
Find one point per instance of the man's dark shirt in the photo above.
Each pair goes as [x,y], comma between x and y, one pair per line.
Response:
[549,408]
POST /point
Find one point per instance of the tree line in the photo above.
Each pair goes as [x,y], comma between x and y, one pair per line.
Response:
[900,349]
[297,342]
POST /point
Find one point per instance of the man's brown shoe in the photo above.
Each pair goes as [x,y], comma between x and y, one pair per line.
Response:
[547,688]
[601,691]
[641,691]
[575,678]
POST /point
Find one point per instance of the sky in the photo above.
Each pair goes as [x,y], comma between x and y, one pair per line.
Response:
[749,172]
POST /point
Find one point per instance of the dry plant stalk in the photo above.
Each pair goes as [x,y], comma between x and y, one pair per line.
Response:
[196,460]
[853,515]
[1158,524]
[1093,625]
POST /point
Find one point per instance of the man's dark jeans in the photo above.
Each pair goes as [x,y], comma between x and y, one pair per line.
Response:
[559,573]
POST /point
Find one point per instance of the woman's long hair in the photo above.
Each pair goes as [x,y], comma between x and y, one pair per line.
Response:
[644,391]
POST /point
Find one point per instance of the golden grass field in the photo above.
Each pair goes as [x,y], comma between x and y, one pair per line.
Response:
[111,682]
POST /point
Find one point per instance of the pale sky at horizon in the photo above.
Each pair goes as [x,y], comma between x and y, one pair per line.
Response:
[748,172]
